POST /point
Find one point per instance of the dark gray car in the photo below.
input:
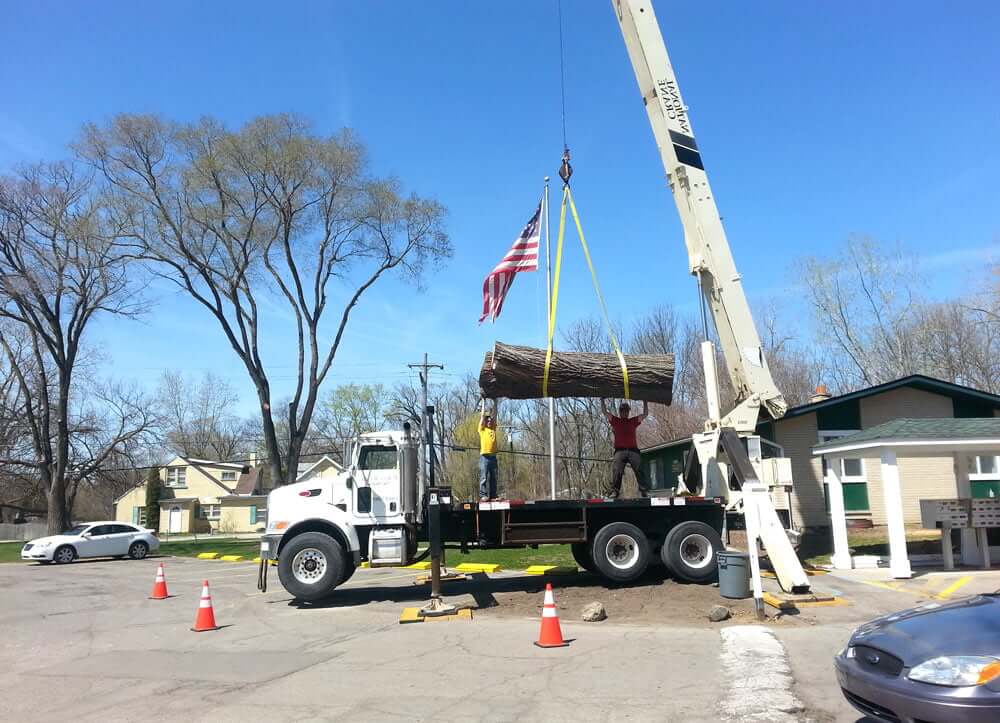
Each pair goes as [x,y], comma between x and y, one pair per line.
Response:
[936,662]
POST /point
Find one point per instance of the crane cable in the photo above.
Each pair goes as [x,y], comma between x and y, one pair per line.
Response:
[565,172]
[567,200]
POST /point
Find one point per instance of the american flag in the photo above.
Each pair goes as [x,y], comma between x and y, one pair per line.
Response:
[523,256]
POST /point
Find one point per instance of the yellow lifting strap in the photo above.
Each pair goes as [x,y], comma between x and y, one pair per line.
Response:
[567,199]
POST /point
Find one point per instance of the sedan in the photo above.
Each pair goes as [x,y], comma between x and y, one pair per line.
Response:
[935,662]
[93,539]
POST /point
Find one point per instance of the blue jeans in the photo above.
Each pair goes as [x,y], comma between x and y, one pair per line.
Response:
[488,471]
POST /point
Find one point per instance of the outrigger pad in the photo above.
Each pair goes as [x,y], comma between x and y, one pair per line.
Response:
[515,372]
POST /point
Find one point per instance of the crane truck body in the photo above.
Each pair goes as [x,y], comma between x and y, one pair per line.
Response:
[377,511]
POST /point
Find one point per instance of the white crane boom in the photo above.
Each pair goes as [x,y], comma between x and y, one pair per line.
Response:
[711,261]
[708,250]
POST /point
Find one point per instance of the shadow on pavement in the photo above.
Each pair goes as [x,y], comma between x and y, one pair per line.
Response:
[479,586]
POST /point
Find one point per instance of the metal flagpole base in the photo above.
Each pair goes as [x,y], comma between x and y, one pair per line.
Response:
[437,608]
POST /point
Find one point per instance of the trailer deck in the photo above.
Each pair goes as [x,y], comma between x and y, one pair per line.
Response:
[516,523]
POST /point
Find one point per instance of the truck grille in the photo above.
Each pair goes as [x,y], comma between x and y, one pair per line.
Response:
[878,661]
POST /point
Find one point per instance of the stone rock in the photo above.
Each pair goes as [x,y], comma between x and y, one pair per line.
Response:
[718,613]
[594,612]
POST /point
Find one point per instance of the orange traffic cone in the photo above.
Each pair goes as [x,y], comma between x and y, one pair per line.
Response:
[550,636]
[159,586]
[205,619]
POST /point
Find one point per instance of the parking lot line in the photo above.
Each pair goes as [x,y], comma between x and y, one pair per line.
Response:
[951,589]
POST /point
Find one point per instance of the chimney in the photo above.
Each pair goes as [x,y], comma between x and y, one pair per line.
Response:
[253,459]
[821,394]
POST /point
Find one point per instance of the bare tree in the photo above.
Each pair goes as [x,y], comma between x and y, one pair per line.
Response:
[268,216]
[199,417]
[874,326]
[352,409]
[865,304]
[795,371]
[59,270]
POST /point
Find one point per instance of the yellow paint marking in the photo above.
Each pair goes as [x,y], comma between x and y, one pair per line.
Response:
[950,590]
[477,567]
[231,558]
[207,555]
[894,588]
[412,615]
[422,565]
[550,570]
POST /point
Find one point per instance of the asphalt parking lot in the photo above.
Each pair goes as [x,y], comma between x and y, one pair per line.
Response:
[82,641]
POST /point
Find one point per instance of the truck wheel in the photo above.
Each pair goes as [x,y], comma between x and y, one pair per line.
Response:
[690,550]
[620,551]
[311,565]
[581,553]
[349,569]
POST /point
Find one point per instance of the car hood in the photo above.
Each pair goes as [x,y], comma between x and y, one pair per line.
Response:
[54,539]
[964,627]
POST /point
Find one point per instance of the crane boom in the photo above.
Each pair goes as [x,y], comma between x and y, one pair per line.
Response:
[711,260]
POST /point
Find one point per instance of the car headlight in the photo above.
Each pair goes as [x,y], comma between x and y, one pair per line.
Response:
[957,670]
[41,545]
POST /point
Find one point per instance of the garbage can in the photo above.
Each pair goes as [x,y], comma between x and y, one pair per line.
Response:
[734,574]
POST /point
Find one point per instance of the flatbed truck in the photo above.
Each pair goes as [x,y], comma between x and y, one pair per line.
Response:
[376,511]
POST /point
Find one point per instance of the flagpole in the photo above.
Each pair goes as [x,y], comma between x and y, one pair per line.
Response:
[548,315]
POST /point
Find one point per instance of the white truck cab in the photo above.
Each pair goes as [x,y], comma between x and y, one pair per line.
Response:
[366,512]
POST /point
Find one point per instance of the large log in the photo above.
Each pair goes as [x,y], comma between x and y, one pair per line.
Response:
[515,372]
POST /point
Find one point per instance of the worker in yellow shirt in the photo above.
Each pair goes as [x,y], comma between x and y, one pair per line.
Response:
[488,470]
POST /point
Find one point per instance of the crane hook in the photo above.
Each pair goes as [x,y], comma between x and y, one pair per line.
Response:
[565,170]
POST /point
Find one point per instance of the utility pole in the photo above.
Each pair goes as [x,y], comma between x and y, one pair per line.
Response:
[426,453]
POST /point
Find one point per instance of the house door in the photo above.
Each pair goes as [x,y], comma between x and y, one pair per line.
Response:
[174,520]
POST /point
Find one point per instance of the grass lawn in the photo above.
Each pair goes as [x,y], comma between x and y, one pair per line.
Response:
[10,551]
[516,559]
[190,548]
[873,541]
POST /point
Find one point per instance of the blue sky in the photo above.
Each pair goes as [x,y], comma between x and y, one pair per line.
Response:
[815,121]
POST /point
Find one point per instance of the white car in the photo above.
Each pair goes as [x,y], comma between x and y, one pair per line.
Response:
[93,539]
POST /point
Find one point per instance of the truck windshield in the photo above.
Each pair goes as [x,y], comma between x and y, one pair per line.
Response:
[377,457]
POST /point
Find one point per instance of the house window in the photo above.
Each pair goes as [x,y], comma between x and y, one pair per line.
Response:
[229,476]
[209,512]
[258,515]
[984,467]
[984,476]
[852,476]
[176,476]
[139,516]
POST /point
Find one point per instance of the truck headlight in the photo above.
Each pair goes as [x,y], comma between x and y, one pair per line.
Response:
[956,670]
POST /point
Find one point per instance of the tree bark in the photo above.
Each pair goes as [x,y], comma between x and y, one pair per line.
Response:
[515,372]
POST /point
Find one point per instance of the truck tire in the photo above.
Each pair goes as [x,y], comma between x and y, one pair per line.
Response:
[690,550]
[311,565]
[581,553]
[349,569]
[620,551]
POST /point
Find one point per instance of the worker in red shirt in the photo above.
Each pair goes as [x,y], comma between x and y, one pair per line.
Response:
[626,446]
